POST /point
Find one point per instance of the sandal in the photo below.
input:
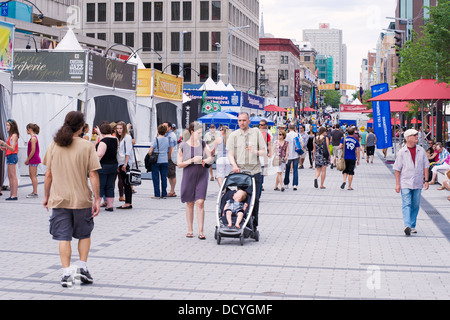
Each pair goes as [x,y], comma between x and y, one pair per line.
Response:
[276,189]
[201,237]
[189,235]
[170,194]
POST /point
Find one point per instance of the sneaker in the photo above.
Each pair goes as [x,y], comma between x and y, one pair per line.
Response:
[316,185]
[408,231]
[32,195]
[295,188]
[413,230]
[343,185]
[66,281]
[86,277]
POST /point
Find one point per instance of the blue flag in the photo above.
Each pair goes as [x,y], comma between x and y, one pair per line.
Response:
[382,117]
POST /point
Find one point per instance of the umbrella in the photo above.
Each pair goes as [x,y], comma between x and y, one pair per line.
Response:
[419,90]
[275,108]
[308,109]
[234,113]
[414,121]
[396,106]
[256,120]
[219,118]
[393,121]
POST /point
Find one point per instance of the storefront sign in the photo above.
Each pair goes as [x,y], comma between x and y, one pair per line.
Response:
[111,73]
[6,45]
[352,108]
[144,83]
[47,66]
[168,86]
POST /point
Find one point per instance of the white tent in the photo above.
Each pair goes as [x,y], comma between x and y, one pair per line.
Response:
[221,86]
[209,85]
[45,99]
[69,42]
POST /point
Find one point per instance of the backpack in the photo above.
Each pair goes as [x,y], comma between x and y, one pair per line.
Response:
[298,145]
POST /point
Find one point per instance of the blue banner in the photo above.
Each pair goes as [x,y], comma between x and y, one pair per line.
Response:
[253,102]
[382,117]
[224,98]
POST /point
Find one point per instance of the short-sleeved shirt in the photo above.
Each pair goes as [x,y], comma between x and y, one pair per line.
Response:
[363,137]
[163,143]
[237,143]
[350,147]
[70,167]
[411,172]
[336,136]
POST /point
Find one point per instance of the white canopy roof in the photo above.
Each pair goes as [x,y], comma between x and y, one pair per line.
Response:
[69,42]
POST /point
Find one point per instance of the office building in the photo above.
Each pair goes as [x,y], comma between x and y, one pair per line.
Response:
[217,39]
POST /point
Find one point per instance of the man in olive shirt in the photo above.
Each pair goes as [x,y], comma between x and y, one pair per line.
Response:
[244,147]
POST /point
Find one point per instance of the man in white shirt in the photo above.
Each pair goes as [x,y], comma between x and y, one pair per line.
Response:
[292,158]
[411,167]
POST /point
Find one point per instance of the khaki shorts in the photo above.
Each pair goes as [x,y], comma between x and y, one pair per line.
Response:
[337,152]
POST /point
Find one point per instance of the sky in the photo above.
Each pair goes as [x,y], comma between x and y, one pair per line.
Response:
[361,21]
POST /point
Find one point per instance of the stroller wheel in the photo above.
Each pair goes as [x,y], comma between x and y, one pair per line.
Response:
[215,234]
[241,239]
[218,238]
[256,235]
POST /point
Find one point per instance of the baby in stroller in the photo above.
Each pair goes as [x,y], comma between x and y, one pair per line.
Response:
[236,207]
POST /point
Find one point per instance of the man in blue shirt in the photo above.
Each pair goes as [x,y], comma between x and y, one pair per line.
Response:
[351,155]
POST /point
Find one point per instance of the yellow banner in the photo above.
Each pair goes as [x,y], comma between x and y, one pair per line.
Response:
[144,83]
[330,86]
[168,86]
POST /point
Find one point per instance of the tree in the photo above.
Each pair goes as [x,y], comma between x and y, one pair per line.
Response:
[332,98]
[428,56]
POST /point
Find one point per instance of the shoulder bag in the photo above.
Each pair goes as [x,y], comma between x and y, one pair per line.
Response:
[133,175]
[340,165]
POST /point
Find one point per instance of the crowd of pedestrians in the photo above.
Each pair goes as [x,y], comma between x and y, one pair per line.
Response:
[81,173]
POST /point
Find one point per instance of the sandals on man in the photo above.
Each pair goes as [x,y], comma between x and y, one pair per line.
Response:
[171,194]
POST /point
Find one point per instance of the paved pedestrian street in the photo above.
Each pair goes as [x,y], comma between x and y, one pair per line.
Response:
[314,244]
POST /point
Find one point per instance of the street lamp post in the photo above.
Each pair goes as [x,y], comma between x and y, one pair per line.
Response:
[280,77]
[257,66]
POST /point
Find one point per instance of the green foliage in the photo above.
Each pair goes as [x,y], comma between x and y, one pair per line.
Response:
[428,56]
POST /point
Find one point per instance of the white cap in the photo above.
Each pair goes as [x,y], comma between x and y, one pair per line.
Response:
[410,132]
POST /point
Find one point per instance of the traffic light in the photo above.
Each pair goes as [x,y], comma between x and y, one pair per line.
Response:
[398,42]
[337,85]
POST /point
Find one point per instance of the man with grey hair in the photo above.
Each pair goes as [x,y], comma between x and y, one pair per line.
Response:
[411,167]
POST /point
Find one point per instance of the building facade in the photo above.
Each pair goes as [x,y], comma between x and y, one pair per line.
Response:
[197,39]
[324,65]
[328,41]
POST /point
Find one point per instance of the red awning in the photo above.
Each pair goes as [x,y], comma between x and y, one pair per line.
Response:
[275,108]
[423,89]
[308,109]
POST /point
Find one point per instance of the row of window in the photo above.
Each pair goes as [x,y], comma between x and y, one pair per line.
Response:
[154,11]
[208,40]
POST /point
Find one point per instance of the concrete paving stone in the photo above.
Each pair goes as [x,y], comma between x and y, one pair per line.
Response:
[315,244]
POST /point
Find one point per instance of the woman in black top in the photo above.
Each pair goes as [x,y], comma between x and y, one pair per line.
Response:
[107,154]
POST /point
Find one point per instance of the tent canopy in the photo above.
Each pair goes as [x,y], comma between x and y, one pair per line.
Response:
[419,90]
[274,108]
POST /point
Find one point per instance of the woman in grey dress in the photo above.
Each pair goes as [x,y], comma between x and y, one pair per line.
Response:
[193,154]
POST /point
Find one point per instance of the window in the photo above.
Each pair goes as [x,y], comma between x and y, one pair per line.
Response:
[129,39]
[215,38]
[146,41]
[204,71]
[307,58]
[214,72]
[101,12]
[101,36]
[118,11]
[187,72]
[90,35]
[204,10]
[129,15]
[90,12]
[118,37]
[176,10]
[187,10]
[262,59]
[158,66]
[158,41]
[175,41]
[158,11]
[147,11]
[187,42]
[216,11]
[204,41]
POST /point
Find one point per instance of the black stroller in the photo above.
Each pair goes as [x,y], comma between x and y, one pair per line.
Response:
[233,182]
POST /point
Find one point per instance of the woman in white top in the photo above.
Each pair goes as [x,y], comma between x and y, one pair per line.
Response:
[125,161]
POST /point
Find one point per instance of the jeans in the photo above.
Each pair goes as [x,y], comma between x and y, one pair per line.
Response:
[107,175]
[410,206]
[159,173]
[294,162]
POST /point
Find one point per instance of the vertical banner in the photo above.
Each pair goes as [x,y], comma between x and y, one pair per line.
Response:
[382,117]
[6,45]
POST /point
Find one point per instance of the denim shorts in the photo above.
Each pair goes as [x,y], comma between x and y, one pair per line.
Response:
[68,223]
[12,158]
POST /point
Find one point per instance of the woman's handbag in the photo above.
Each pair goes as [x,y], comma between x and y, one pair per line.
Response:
[153,157]
[340,165]
[134,175]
